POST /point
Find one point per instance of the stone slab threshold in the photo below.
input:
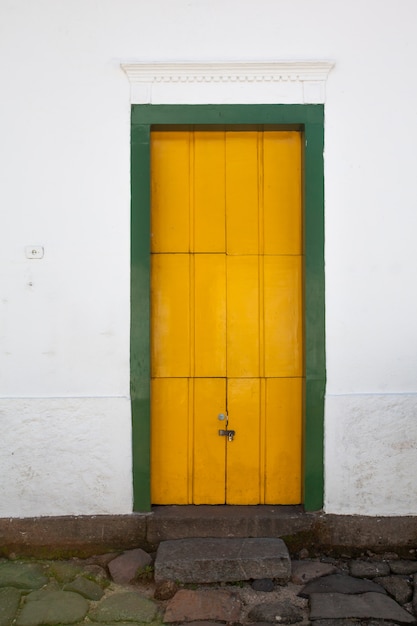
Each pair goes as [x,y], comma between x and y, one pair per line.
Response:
[87,535]
[212,559]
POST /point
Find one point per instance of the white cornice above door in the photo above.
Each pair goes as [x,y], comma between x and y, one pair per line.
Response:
[289,82]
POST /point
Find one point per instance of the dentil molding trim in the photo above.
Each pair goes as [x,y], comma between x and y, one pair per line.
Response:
[224,82]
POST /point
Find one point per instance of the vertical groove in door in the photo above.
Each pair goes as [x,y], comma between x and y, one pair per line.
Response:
[190,440]
[192,303]
[261,291]
[262,441]
[261,246]
[261,178]
[191,176]
[261,250]
[192,306]
[226,346]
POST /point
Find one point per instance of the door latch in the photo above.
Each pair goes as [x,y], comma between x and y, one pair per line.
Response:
[227,433]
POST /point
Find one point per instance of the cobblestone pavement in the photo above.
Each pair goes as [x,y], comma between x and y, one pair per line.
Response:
[119,589]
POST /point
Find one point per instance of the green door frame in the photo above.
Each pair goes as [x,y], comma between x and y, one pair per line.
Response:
[309,118]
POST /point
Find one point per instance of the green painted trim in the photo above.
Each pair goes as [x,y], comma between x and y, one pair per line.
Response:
[227,114]
[315,358]
[140,315]
[308,118]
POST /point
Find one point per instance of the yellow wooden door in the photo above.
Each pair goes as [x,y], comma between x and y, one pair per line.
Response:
[226,330]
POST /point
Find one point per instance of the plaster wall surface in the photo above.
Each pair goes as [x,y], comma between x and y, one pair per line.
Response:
[64,456]
[65,185]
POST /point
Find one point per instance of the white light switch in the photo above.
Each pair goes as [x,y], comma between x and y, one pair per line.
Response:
[34,252]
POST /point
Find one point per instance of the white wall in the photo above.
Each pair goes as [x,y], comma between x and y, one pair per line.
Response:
[64,169]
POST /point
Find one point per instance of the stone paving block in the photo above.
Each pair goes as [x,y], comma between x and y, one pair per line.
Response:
[284,612]
[336,622]
[9,603]
[203,623]
[86,588]
[340,583]
[165,590]
[303,571]
[128,606]
[222,560]
[22,575]
[102,559]
[52,607]
[414,600]
[399,588]
[349,622]
[278,622]
[114,623]
[39,594]
[215,605]
[124,568]
[403,567]
[65,571]
[362,606]
[263,584]
[96,573]
[369,569]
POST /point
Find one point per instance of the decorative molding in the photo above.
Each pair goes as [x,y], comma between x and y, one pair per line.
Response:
[225,72]
[298,81]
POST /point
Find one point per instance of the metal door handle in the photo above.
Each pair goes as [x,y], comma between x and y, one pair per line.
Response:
[227,433]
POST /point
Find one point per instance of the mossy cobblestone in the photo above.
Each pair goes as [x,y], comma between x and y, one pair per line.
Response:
[128,606]
[50,593]
[22,575]
[85,587]
[9,604]
[84,593]
[52,607]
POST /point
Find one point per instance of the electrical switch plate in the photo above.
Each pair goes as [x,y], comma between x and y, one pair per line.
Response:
[34,252]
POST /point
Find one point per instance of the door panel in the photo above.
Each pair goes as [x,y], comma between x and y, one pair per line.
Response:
[209,459]
[206,166]
[242,316]
[170,321]
[282,224]
[244,468]
[282,315]
[227,317]
[171,431]
[170,189]
[242,192]
[282,437]
[209,291]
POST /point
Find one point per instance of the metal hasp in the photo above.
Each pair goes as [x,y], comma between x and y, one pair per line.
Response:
[227,433]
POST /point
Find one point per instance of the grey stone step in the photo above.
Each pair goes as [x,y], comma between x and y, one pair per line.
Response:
[222,560]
